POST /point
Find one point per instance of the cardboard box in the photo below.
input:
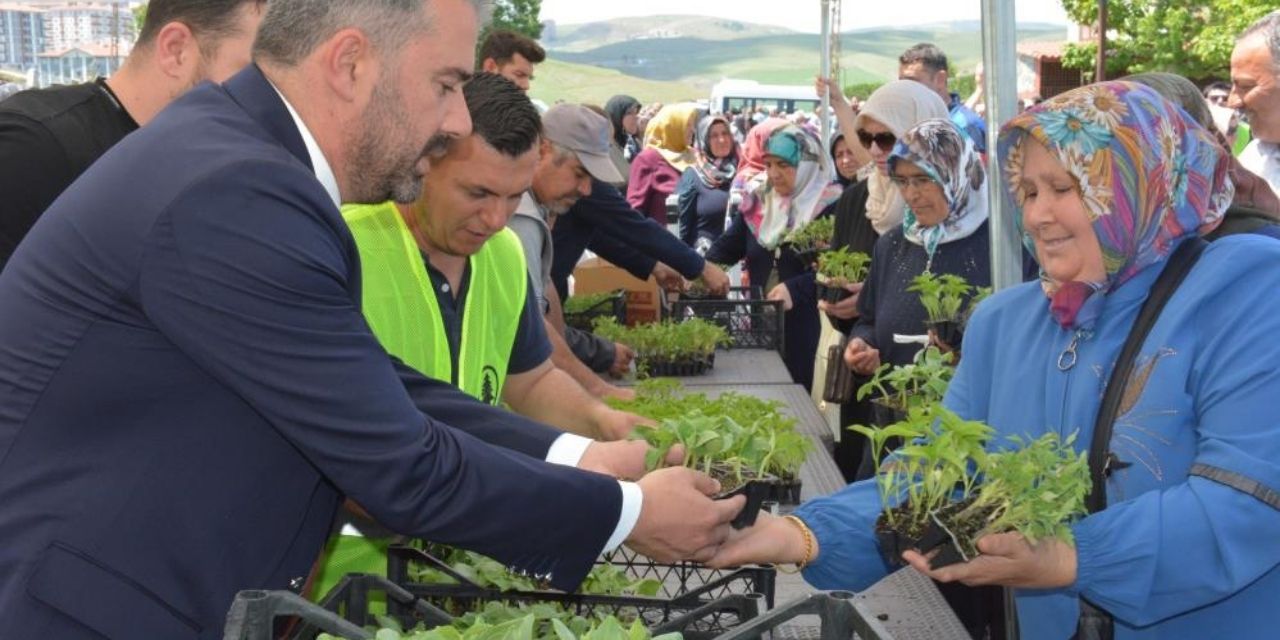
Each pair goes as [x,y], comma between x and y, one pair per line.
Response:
[644,297]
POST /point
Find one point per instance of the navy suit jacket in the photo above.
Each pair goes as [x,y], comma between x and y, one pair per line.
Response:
[618,233]
[188,389]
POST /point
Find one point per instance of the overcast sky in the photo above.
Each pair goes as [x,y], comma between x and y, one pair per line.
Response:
[792,14]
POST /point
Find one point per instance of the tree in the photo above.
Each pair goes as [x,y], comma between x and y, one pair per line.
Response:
[520,16]
[139,17]
[1192,38]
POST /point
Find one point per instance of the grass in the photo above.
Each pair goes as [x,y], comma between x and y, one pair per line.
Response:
[557,80]
[669,69]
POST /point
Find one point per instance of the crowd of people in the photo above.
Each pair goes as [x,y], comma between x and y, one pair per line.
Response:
[291,281]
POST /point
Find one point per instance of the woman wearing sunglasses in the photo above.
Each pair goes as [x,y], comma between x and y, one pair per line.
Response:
[870,208]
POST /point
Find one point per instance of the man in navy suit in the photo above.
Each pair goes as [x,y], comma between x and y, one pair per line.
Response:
[188,388]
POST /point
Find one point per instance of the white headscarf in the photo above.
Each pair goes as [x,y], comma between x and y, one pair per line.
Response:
[898,105]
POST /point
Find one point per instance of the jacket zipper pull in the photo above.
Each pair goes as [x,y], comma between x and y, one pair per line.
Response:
[1067,359]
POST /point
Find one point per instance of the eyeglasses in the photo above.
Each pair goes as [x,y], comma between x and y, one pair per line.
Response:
[902,182]
[884,140]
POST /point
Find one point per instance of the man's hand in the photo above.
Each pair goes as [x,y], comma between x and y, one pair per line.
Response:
[846,309]
[612,424]
[1009,560]
[622,357]
[667,278]
[606,391]
[781,292]
[861,357]
[623,459]
[716,280]
[679,520]
[770,540]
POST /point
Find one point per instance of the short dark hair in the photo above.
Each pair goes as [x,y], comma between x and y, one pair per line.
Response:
[209,20]
[927,54]
[1216,86]
[501,114]
[502,45]
[1268,27]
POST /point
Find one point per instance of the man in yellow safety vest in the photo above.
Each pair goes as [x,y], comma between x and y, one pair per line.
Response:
[445,289]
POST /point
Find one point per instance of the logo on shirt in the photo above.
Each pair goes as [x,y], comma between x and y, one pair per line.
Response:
[489,385]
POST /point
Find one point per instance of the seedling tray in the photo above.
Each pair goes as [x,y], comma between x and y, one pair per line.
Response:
[832,293]
[949,332]
[693,367]
[615,306]
[345,612]
[751,321]
[686,588]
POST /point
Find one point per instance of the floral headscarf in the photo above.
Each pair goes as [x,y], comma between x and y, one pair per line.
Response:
[773,215]
[668,132]
[1149,176]
[714,172]
[949,157]
[751,170]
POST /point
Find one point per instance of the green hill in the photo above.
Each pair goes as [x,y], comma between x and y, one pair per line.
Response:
[867,56]
[591,35]
[557,80]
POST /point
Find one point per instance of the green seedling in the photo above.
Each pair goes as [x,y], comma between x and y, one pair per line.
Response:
[842,267]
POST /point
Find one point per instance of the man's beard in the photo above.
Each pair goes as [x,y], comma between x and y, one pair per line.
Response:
[382,166]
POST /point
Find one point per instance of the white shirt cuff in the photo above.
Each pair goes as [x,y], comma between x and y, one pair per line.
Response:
[632,501]
[568,449]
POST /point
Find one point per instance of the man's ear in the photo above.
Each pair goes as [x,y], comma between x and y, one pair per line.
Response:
[489,65]
[941,78]
[349,64]
[177,54]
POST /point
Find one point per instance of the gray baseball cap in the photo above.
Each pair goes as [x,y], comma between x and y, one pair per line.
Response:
[587,134]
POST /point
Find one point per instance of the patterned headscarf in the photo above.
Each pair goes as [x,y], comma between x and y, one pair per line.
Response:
[1148,174]
[714,172]
[751,170]
[813,192]
[668,132]
[949,157]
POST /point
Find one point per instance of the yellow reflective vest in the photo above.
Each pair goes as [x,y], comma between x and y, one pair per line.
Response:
[401,307]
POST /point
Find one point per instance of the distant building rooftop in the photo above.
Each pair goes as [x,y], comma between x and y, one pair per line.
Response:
[98,50]
[1042,50]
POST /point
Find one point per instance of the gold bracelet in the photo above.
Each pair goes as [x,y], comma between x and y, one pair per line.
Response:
[808,545]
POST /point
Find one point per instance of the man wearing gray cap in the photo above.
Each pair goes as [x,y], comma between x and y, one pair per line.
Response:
[574,149]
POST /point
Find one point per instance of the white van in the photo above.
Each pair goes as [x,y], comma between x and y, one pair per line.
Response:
[730,94]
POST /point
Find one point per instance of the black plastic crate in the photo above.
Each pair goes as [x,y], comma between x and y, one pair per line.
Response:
[751,321]
[615,306]
[691,580]
[345,612]
[717,595]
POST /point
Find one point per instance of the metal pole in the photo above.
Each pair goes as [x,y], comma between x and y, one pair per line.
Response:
[1100,69]
[1000,90]
[824,117]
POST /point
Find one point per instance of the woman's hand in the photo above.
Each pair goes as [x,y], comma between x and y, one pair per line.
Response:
[770,540]
[846,309]
[861,358]
[1009,560]
[781,292]
[827,86]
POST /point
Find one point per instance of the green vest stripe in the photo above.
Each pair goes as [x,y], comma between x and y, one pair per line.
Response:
[402,310]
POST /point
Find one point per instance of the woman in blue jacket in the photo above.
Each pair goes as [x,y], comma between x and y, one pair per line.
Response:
[1109,179]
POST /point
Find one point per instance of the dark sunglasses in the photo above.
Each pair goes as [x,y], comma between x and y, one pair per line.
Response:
[884,140]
